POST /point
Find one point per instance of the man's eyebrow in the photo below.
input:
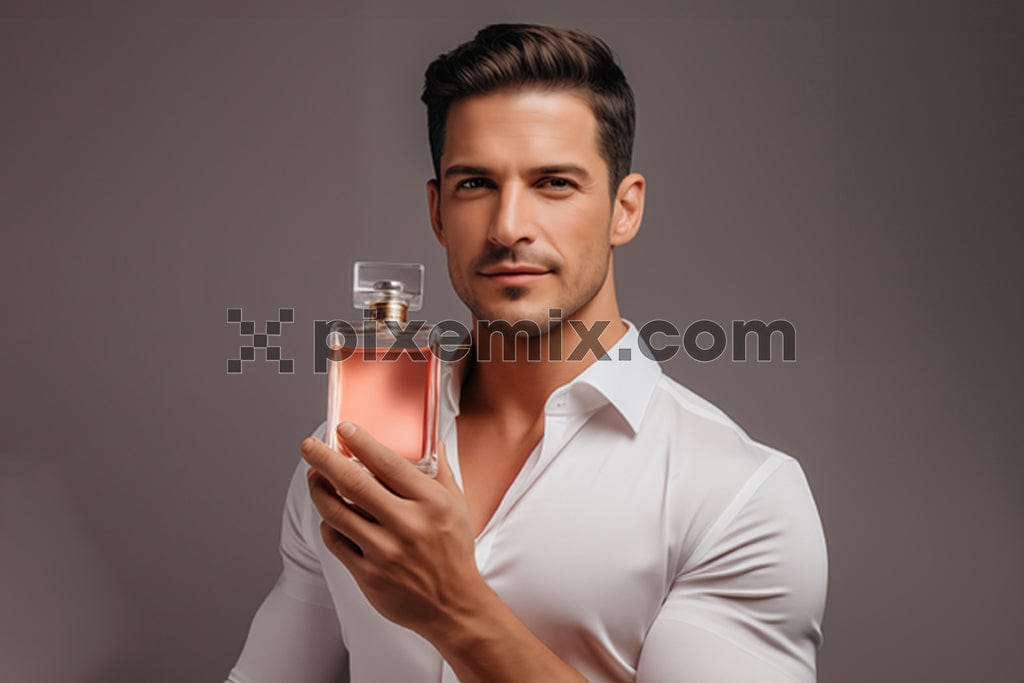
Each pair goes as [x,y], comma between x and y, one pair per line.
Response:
[462,169]
[569,169]
[564,169]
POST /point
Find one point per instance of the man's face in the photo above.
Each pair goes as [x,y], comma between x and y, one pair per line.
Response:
[523,205]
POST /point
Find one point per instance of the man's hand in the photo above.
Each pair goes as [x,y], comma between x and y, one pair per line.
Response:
[408,541]
[412,550]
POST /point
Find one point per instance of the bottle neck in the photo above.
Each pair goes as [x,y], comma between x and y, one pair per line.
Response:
[388,310]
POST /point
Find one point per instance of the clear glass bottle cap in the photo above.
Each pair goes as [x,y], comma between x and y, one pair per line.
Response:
[376,282]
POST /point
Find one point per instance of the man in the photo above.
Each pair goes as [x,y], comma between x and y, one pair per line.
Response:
[591,519]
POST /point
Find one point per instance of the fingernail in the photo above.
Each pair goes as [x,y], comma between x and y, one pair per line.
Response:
[346,429]
[307,444]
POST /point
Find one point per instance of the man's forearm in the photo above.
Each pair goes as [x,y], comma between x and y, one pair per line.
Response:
[489,644]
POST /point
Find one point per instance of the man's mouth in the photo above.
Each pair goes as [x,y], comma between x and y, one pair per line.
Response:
[514,275]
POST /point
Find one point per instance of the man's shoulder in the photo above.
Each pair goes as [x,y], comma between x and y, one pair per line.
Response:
[297,501]
[691,404]
[704,442]
[723,483]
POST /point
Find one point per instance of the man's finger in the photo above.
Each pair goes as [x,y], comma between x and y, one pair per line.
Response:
[351,480]
[343,548]
[368,535]
[399,474]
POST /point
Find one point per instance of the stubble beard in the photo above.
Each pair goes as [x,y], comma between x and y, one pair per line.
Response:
[568,303]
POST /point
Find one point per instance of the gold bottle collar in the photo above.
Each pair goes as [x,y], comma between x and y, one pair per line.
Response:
[389,310]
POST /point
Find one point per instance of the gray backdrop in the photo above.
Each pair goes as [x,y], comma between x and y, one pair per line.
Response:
[854,169]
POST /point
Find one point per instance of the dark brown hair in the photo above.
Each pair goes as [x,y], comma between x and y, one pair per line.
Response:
[517,55]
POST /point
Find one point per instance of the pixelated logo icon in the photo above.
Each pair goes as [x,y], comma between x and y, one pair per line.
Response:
[247,353]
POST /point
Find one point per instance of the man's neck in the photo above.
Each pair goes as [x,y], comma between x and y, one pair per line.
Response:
[516,389]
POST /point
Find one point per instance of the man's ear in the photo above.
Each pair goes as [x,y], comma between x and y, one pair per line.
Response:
[434,204]
[628,209]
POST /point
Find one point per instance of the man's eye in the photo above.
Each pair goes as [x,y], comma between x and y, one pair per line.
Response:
[471,183]
[558,183]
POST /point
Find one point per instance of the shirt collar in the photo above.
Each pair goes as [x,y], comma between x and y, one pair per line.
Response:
[625,378]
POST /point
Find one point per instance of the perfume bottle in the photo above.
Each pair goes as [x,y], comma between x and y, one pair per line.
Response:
[383,371]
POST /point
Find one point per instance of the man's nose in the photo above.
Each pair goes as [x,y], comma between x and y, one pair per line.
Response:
[513,221]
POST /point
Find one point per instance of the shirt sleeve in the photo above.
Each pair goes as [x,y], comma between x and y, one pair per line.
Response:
[295,635]
[748,604]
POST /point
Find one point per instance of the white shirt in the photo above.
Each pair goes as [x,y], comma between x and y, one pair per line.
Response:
[647,538]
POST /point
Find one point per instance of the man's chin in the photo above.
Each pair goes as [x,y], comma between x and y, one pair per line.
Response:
[522,315]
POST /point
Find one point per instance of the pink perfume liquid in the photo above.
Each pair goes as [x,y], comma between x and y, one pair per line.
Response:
[394,400]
